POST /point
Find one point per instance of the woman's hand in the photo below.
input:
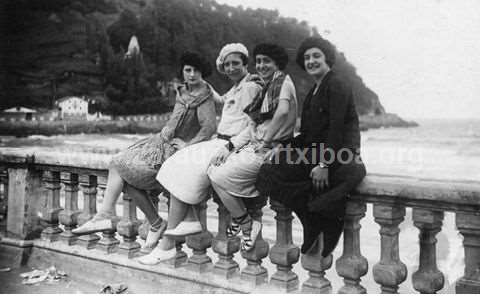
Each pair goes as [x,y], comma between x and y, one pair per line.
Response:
[220,157]
[271,154]
[319,178]
[178,143]
[167,133]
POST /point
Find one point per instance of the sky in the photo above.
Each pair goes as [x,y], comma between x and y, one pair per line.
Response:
[422,57]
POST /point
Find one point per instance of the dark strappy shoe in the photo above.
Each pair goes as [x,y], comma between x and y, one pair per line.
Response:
[250,234]
[234,228]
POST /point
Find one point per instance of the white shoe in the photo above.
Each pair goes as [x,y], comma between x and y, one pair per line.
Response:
[96,224]
[157,255]
[185,228]
[153,236]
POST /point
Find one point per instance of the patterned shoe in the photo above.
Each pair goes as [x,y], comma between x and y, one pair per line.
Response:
[233,229]
[249,236]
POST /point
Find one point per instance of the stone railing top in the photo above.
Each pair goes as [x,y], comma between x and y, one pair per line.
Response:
[441,194]
[430,193]
[77,160]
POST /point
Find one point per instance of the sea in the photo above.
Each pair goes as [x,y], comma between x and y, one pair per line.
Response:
[443,149]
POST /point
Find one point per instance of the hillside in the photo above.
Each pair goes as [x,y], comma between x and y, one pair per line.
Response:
[57,48]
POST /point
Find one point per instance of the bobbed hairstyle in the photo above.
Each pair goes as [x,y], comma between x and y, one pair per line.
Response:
[197,61]
[275,52]
[316,42]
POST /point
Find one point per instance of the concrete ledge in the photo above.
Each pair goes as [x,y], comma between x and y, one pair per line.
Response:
[42,157]
[429,193]
[98,267]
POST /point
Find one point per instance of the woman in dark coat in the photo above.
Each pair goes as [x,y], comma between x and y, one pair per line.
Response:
[314,175]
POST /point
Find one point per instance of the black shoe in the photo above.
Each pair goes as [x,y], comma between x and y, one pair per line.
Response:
[311,230]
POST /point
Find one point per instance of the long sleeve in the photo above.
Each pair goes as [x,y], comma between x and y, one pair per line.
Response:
[174,118]
[339,97]
[207,120]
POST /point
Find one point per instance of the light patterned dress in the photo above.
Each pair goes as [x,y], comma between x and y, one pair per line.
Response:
[192,120]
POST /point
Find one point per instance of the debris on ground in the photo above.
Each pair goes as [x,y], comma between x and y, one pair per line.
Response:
[50,275]
[114,289]
[5,269]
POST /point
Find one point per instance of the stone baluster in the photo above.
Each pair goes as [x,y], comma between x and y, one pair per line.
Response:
[254,272]
[108,243]
[351,266]
[389,272]
[180,257]
[3,196]
[469,226]
[68,216]
[51,180]
[128,228]
[88,184]
[199,243]
[284,253]
[427,279]
[316,265]
[222,245]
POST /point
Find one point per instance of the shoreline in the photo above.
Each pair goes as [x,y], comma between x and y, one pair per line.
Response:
[70,127]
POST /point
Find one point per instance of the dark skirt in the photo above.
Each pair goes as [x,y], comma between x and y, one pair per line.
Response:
[138,165]
[291,185]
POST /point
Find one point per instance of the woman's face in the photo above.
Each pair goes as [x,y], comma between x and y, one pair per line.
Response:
[315,62]
[265,66]
[234,67]
[191,75]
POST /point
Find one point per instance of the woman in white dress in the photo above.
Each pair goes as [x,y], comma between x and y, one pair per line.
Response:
[184,174]
[273,113]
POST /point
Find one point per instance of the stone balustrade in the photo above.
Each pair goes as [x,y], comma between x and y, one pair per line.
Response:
[41,196]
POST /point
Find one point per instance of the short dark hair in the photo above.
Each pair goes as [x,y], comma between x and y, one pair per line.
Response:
[316,42]
[275,52]
[197,61]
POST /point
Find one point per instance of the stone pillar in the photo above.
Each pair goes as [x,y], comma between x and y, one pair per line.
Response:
[351,266]
[3,196]
[284,253]
[316,265]
[108,243]
[469,226]
[51,180]
[24,210]
[222,245]
[180,257]
[68,216]
[88,184]
[390,271]
[254,272]
[199,243]
[428,279]
[128,228]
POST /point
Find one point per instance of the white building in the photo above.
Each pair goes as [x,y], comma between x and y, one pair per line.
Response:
[73,107]
[18,113]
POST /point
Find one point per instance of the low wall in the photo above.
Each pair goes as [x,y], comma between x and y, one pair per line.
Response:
[209,261]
